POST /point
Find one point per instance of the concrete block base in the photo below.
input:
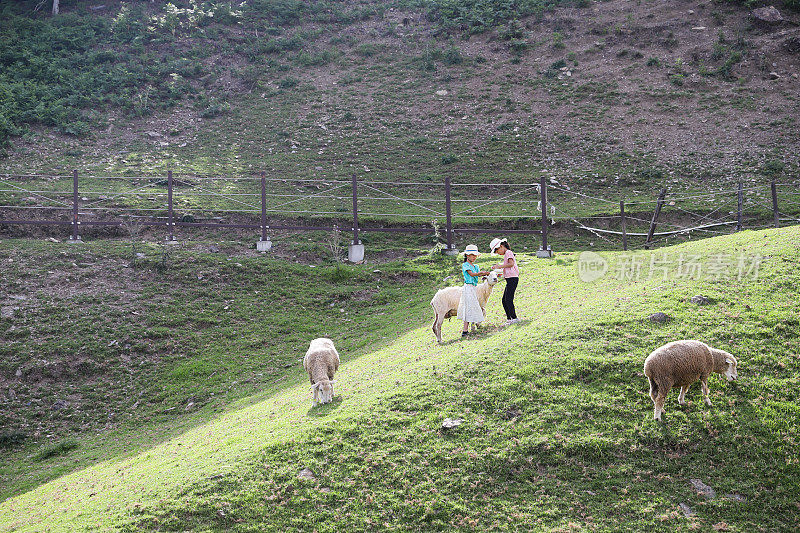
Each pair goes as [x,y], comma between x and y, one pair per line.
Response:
[74,240]
[264,246]
[544,254]
[170,241]
[355,253]
[450,251]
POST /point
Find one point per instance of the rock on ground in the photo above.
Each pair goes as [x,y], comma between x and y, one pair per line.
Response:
[660,317]
[703,489]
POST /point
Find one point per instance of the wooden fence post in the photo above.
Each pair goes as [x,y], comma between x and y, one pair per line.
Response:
[624,225]
[264,244]
[544,251]
[657,211]
[775,204]
[355,210]
[355,252]
[739,208]
[170,221]
[75,237]
[449,217]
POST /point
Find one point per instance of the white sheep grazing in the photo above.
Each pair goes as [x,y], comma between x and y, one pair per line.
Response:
[321,361]
[445,302]
[681,363]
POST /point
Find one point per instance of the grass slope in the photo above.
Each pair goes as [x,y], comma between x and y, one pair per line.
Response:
[557,430]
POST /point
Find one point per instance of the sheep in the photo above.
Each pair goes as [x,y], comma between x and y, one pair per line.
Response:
[445,302]
[681,363]
[321,361]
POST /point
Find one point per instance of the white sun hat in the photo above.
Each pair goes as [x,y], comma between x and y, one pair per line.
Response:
[495,244]
[471,249]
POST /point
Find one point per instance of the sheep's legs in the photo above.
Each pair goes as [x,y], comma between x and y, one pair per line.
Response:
[437,327]
[704,387]
[653,389]
[659,405]
[682,395]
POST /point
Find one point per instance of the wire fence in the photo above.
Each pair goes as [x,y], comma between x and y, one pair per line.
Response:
[270,204]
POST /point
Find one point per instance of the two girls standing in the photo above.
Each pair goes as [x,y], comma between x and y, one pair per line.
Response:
[469,310]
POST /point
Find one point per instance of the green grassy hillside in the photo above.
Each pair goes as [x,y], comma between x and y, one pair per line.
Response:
[557,430]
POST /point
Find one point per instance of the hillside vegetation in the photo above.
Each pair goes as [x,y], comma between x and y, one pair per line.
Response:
[556,432]
[618,93]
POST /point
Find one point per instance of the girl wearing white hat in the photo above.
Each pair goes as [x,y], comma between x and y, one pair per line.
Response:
[510,274]
[469,310]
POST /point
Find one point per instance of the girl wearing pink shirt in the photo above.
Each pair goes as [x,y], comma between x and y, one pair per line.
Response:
[510,274]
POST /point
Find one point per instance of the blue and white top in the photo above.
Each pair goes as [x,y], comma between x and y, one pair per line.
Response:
[468,279]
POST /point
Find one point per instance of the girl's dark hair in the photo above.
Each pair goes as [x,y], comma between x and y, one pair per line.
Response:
[505,243]
[465,258]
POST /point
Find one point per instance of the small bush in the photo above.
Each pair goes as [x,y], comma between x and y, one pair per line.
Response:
[653,62]
[452,56]
[11,439]
[773,168]
[650,174]
[677,79]
[449,159]
[54,450]
[212,107]
[288,82]
[725,70]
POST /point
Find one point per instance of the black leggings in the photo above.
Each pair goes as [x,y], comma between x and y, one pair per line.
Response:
[508,297]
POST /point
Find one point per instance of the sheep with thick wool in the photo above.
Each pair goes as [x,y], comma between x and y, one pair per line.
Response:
[681,363]
[445,302]
[321,362]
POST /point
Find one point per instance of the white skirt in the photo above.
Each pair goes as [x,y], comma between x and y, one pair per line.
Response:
[468,307]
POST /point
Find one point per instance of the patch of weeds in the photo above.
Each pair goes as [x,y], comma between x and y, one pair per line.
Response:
[212,107]
[449,159]
[677,79]
[349,79]
[452,56]
[773,168]
[368,49]
[650,174]
[288,82]
[725,70]
[558,41]
[653,62]
[54,450]
[671,41]
[12,438]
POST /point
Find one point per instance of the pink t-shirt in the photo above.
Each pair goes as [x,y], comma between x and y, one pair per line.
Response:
[512,271]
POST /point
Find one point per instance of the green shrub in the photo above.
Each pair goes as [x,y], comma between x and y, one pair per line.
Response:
[725,70]
[11,438]
[367,49]
[288,82]
[449,159]
[650,174]
[452,56]
[773,168]
[54,450]
[653,62]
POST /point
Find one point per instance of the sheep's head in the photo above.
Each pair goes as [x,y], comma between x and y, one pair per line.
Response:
[493,278]
[323,391]
[730,370]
